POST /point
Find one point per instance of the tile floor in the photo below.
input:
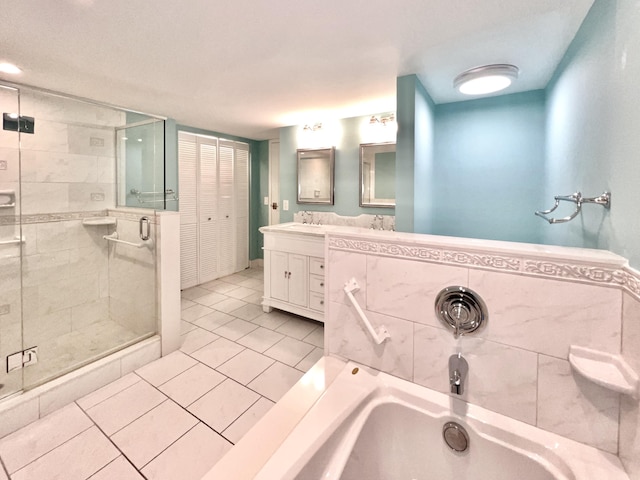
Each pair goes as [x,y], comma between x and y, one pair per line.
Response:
[174,418]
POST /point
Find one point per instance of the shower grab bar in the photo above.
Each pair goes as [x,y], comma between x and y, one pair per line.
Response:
[579,200]
[114,238]
[14,241]
[378,336]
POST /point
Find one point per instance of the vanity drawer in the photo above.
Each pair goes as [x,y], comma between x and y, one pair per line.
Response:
[316,301]
[316,265]
[316,283]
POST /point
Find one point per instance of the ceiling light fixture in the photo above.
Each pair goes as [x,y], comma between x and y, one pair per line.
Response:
[486,79]
[382,120]
[9,68]
[316,127]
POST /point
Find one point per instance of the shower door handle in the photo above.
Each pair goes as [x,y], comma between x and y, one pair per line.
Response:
[145,228]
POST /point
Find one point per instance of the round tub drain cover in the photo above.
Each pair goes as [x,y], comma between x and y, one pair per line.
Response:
[461,309]
[455,436]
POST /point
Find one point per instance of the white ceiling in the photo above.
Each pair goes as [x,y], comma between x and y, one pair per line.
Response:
[249,67]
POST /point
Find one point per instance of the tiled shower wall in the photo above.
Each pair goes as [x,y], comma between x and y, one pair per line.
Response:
[518,363]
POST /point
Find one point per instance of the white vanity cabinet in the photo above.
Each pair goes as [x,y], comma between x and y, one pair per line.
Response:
[294,269]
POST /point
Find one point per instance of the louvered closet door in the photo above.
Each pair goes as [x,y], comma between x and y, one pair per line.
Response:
[241,198]
[207,210]
[187,154]
[226,209]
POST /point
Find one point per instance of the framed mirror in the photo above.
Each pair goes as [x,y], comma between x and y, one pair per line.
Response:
[378,174]
[315,175]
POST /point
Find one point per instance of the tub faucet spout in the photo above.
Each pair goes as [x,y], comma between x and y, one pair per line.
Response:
[458,369]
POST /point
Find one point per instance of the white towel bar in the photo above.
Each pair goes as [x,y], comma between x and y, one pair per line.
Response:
[114,238]
[378,336]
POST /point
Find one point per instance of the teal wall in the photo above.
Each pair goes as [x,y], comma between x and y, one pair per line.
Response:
[593,140]
[488,171]
[385,185]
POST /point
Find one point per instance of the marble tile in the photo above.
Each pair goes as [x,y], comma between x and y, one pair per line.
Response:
[217,352]
[349,339]
[224,404]
[235,279]
[33,441]
[248,419]
[573,407]
[248,312]
[316,337]
[193,292]
[253,283]
[289,351]
[165,368]
[275,381]
[189,458]
[77,459]
[310,360]
[630,436]
[150,434]
[219,286]
[81,196]
[501,378]
[523,310]
[148,352]
[124,407]
[245,366]
[118,469]
[254,299]
[272,320]
[3,474]
[44,197]
[210,299]
[297,327]
[240,292]
[229,305]
[186,303]
[631,331]
[192,384]
[408,289]
[344,267]
[260,339]
[186,327]
[235,329]
[213,320]
[108,391]
[191,314]
[22,412]
[196,339]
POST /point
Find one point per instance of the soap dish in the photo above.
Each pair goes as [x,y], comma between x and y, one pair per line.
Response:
[605,369]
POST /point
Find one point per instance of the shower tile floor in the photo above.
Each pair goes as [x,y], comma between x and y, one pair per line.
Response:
[175,417]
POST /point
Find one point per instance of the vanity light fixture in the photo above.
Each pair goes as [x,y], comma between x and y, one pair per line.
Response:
[10,68]
[382,120]
[486,79]
[315,128]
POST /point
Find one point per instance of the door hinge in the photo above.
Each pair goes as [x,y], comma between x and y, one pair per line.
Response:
[22,359]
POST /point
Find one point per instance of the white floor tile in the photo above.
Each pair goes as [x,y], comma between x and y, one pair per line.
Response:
[165,368]
[33,441]
[298,328]
[210,298]
[193,292]
[193,313]
[236,278]
[125,406]
[196,339]
[240,292]
[260,339]
[248,419]
[186,327]
[217,352]
[229,305]
[187,387]
[248,312]
[275,381]
[77,459]
[213,320]
[119,469]
[235,329]
[253,283]
[224,404]
[220,286]
[289,351]
[272,320]
[190,458]
[3,475]
[150,434]
[316,337]
[245,366]
[310,360]
[255,299]
[186,303]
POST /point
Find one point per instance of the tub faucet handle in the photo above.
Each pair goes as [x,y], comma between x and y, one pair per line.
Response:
[458,370]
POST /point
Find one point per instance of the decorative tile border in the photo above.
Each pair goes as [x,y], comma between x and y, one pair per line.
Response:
[49,217]
[617,276]
[134,215]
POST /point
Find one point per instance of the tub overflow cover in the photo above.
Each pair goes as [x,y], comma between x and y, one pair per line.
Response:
[455,436]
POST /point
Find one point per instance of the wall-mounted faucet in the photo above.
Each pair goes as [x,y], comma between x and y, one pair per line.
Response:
[458,370]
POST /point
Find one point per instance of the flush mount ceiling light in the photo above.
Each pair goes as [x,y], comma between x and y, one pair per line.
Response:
[9,68]
[486,79]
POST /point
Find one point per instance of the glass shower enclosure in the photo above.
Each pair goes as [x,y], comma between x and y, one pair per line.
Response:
[69,293]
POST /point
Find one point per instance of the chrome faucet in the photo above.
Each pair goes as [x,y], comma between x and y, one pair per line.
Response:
[458,370]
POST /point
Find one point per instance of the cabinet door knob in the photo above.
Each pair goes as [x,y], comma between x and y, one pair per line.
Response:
[322,284]
[322,267]
[321,302]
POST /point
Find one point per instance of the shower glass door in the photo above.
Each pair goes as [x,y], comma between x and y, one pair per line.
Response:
[11,346]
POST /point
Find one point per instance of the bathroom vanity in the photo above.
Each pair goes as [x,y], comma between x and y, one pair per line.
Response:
[294,269]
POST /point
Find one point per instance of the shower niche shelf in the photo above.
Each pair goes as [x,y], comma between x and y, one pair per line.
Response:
[97,221]
[605,369]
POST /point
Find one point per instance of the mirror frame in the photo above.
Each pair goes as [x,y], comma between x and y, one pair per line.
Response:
[362,186]
[330,152]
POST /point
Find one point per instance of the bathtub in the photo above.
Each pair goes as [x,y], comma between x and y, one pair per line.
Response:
[370,425]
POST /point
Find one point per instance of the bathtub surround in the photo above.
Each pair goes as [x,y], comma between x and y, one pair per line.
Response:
[540,299]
